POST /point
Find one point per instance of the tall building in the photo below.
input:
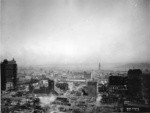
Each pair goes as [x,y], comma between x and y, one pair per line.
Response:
[146,87]
[92,88]
[134,83]
[8,74]
[117,83]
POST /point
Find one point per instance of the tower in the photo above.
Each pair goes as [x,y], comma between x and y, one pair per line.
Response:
[99,66]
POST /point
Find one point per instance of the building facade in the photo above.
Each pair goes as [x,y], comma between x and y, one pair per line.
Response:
[62,86]
[92,88]
[44,86]
[8,75]
[87,76]
[134,83]
[146,87]
[117,83]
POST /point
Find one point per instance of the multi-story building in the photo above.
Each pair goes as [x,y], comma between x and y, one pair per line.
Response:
[87,76]
[117,83]
[134,84]
[92,88]
[44,86]
[62,86]
[146,87]
[8,75]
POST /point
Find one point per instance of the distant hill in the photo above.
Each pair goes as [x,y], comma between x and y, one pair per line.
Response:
[92,66]
[142,66]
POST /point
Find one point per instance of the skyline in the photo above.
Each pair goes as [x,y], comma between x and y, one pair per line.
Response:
[75,31]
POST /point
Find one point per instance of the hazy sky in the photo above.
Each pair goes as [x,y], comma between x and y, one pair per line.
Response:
[75,31]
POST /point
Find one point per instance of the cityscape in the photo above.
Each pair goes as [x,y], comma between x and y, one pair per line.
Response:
[75,56]
[34,90]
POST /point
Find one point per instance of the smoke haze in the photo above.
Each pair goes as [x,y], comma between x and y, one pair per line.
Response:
[75,31]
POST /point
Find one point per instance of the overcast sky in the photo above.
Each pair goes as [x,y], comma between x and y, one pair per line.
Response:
[75,31]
